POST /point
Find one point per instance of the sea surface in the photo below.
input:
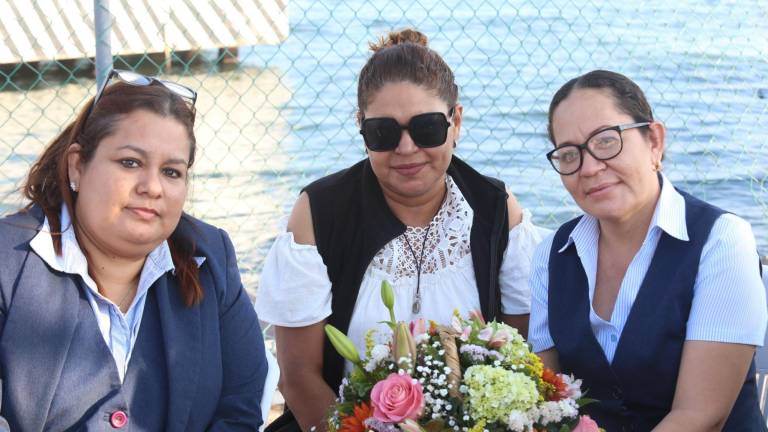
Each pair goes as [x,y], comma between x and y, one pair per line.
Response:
[284,115]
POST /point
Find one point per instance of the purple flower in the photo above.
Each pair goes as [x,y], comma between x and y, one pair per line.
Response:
[379,426]
[478,353]
[475,352]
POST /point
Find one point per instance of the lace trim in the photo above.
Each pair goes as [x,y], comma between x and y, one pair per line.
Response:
[446,245]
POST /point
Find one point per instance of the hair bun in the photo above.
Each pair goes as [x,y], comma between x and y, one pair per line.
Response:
[399,37]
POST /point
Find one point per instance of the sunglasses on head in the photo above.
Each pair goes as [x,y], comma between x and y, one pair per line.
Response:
[137,79]
[427,130]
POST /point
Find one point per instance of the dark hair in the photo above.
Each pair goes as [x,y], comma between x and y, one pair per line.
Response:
[404,56]
[47,184]
[627,95]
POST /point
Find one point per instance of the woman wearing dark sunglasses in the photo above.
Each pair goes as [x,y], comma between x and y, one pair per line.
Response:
[652,297]
[412,213]
[118,310]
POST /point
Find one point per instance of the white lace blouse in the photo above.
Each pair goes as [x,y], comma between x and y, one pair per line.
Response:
[295,291]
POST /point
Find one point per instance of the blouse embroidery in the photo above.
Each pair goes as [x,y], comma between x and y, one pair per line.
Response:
[446,245]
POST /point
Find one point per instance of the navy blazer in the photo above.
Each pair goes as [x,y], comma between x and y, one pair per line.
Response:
[214,351]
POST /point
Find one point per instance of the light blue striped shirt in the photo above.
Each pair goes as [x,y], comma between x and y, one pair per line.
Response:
[729,302]
[118,330]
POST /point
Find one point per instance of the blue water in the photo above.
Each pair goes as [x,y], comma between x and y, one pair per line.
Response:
[285,115]
[702,65]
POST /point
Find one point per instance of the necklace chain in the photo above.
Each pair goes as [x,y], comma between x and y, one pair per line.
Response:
[419,261]
[416,307]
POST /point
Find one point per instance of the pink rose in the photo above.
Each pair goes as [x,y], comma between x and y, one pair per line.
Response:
[586,424]
[397,398]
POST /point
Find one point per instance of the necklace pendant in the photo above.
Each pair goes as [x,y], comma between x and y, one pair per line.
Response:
[416,304]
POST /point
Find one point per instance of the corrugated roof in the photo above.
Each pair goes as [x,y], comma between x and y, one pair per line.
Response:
[32,30]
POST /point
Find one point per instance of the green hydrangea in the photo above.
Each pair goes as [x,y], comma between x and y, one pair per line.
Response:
[495,392]
[515,351]
[518,357]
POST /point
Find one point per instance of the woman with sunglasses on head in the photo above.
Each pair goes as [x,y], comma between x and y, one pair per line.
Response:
[117,309]
[652,297]
[412,213]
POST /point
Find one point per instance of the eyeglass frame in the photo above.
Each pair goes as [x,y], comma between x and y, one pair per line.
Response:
[448,119]
[151,81]
[582,147]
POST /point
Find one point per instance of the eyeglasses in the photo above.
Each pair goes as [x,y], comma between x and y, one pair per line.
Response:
[427,130]
[136,79]
[602,145]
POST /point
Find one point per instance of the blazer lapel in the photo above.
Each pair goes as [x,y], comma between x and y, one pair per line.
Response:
[38,331]
[181,329]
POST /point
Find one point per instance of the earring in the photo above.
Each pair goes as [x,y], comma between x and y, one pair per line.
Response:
[454,144]
[657,166]
[73,186]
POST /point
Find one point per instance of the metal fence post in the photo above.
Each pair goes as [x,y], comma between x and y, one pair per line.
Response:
[103,35]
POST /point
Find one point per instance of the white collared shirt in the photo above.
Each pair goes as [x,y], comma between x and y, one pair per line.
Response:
[729,302]
[118,330]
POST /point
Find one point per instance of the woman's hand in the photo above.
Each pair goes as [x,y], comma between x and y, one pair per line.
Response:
[710,379]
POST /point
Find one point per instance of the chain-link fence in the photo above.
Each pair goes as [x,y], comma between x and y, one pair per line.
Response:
[274,117]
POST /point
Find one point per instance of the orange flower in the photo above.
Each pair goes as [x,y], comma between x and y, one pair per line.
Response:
[432,328]
[559,389]
[354,422]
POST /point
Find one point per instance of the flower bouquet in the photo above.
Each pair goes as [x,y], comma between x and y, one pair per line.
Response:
[469,376]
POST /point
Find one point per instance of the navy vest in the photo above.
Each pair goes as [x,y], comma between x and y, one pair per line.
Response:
[142,396]
[352,222]
[635,392]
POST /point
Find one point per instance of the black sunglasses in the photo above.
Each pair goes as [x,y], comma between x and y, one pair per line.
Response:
[427,130]
[137,79]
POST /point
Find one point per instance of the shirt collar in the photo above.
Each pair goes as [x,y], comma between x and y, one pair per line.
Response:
[73,261]
[669,216]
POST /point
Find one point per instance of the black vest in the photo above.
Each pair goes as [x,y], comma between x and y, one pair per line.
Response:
[635,392]
[352,222]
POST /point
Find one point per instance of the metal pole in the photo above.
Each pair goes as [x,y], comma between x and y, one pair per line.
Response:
[103,32]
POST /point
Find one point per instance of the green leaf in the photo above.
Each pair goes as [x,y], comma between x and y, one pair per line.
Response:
[389,323]
[585,401]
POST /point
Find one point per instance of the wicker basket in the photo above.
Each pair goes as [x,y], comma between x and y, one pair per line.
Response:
[448,339]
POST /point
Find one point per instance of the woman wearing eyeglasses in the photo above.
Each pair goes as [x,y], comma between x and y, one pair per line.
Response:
[117,309]
[411,213]
[652,297]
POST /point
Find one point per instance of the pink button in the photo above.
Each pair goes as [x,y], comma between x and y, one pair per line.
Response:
[118,419]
